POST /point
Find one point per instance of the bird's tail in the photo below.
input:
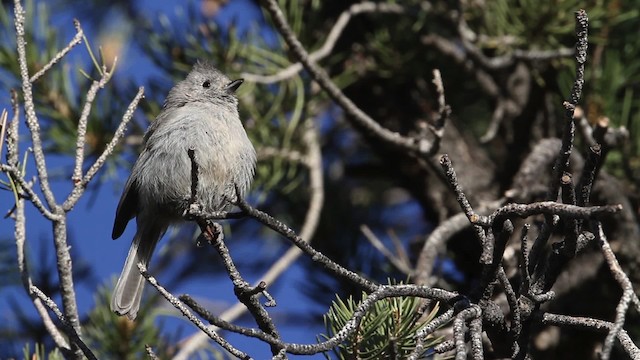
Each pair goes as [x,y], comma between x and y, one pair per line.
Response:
[128,291]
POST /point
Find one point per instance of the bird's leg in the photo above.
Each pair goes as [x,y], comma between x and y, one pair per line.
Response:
[211,232]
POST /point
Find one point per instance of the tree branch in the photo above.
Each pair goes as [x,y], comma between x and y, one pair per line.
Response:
[29,106]
[185,311]
[359,117]
[326,49]
[70,330]
[80,186]
[312,159]
[84,117]
[57,57]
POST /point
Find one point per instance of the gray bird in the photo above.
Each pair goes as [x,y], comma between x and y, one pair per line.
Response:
[200,113]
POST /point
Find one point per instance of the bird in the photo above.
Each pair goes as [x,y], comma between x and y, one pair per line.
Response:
[199,114]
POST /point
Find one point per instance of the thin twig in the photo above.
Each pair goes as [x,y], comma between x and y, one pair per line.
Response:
[223,324]
[394,259]
[70,331]
[20,225]
[16,175]
[496,120]
[512,300]
[593,325]
[359,117]
[247,294]
[126,118]
[475,330]
[80,186]
[588,175]
[185,311]
[315,255]
[487,253]
[62,251]
[57,57]
[268,152]
[84,118]
[572,226]
[458,329]
[330,41]
[562,162]
[3,129]
[501,232]
[435,244]
[628,294]
[13,146]
[444,112]
[150,352]
[430,328]
[511,211]
[445,346]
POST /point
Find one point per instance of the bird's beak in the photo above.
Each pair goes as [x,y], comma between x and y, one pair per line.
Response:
[234,85]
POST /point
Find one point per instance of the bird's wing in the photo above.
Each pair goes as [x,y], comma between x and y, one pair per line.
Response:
[127,208]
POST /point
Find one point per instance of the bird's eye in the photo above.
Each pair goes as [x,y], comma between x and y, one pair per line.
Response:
[206,84]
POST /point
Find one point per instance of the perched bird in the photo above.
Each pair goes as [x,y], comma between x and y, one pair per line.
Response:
[200,113]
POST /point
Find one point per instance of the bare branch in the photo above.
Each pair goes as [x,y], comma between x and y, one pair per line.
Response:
[65,272]
[594,325]
[394,259]
[459,321]
[330,42]
[12,132]
[452,178]
[247,294]
[317,256]
[562,162]
[29,106]
[359,117]
[267,152]
[429,329]
[80,186]
[185,311]
[434,245]
[444,112]
[588,176]
[496,119]
[511,211]
[75,41]
[383,292]
[3,128]
[70,329]
[475,329]
[21,236]
[16,175]
[628,295]
[84,118]
[150,352]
